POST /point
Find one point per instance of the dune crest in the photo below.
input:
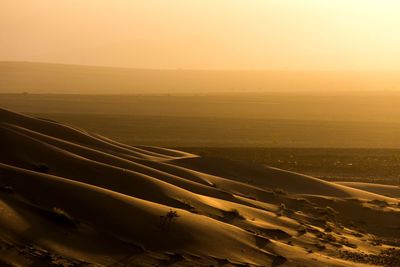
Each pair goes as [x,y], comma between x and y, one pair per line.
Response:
[69,196]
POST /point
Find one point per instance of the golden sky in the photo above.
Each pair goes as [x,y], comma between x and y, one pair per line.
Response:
[204,34]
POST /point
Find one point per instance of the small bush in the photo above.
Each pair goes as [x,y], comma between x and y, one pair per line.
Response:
[166,220]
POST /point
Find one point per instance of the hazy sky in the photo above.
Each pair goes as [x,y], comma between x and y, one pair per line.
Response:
[204,34]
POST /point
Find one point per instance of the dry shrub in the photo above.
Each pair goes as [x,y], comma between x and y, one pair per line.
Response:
[166,220]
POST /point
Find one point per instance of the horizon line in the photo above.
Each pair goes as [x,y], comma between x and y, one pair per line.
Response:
[200,69]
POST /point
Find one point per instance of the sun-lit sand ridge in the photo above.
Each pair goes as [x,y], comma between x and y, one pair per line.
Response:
[72,197]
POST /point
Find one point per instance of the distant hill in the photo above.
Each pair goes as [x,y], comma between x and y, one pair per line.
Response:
[17,77]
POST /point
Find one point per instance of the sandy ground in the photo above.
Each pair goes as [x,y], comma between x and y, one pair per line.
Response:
[73,198]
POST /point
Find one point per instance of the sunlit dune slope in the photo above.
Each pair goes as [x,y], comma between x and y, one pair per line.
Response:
[382,189]
[73,197]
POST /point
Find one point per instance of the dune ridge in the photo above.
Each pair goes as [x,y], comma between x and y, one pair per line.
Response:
[69,197]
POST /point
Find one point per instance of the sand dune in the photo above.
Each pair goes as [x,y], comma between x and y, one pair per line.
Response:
[69,197]
[382,189]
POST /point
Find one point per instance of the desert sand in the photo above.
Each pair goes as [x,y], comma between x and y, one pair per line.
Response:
[73,198]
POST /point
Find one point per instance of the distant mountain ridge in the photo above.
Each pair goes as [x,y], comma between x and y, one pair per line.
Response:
[18,77]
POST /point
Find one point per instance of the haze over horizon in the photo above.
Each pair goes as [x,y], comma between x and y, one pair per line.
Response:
[227,35]
[18,77]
